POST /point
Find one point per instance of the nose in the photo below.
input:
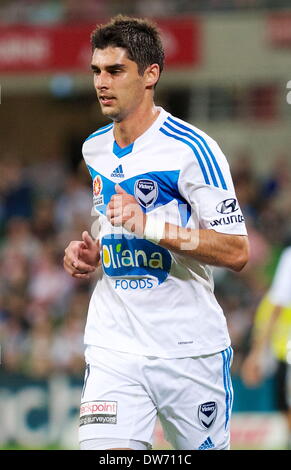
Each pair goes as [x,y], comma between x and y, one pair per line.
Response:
[101,81]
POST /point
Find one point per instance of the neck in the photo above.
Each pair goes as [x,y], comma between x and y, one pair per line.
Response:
[134,125]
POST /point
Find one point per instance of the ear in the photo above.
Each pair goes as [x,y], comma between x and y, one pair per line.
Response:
[152,75]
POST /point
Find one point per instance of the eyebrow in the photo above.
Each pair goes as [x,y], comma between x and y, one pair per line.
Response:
[108,68]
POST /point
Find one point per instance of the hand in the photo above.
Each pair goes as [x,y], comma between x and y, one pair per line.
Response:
[82,257]
[252,369]
[123,210]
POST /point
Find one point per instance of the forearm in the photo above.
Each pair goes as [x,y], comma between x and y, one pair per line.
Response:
[261,338]
[207,246]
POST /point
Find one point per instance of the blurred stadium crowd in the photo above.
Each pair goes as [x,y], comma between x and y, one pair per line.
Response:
[43,311]
[45,205]
[54,11]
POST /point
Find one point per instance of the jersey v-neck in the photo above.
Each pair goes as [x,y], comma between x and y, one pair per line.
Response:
[123,151]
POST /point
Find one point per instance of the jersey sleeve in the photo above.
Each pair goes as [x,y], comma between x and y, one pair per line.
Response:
[206,184]
[280,291]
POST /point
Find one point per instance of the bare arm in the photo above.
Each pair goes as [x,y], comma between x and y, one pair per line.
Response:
[207,246]
[279,296]
[262,339]
[252,368]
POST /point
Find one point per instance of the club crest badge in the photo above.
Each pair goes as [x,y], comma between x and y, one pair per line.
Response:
[146,192]
[207,413]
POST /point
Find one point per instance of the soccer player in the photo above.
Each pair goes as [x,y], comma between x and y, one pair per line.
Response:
[272,330]
[156,339]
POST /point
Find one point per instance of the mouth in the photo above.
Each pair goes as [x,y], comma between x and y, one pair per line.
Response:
[106,100]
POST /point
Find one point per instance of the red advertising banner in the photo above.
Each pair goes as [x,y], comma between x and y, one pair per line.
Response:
[67,48]
[279,30]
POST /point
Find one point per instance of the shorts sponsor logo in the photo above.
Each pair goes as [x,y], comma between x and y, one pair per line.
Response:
[98,412]
[227,206]
[146,192]
[207,413]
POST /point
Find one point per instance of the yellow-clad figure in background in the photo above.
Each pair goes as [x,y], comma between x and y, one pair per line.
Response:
[272,332]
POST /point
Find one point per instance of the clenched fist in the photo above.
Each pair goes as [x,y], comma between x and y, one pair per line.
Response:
[123,210]
[82,257]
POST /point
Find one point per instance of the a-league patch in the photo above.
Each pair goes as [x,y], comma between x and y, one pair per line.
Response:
[207,413]
[98,412]
[146,192]
[98,198]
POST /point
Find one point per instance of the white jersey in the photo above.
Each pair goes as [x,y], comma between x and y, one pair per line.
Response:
[280,291]
[149,300]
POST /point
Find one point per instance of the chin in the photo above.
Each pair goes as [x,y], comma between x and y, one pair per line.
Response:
[110,113]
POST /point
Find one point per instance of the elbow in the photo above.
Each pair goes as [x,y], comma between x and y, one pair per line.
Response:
[241,257]
[239,264]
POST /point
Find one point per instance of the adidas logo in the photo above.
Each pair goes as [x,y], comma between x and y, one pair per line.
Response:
[208,444]
[118,172]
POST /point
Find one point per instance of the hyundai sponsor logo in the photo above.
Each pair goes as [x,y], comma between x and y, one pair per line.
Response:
[227,206]
[230,219]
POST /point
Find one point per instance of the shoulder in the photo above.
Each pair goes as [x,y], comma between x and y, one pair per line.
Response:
[100,132]
[203,151]
[185,132]
[95,142]
[283,267]
[286,256]
[198,143]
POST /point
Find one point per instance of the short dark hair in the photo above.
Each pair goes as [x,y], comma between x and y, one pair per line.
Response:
[140,38]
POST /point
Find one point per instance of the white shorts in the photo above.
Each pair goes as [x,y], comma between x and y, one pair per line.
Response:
[123,394]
